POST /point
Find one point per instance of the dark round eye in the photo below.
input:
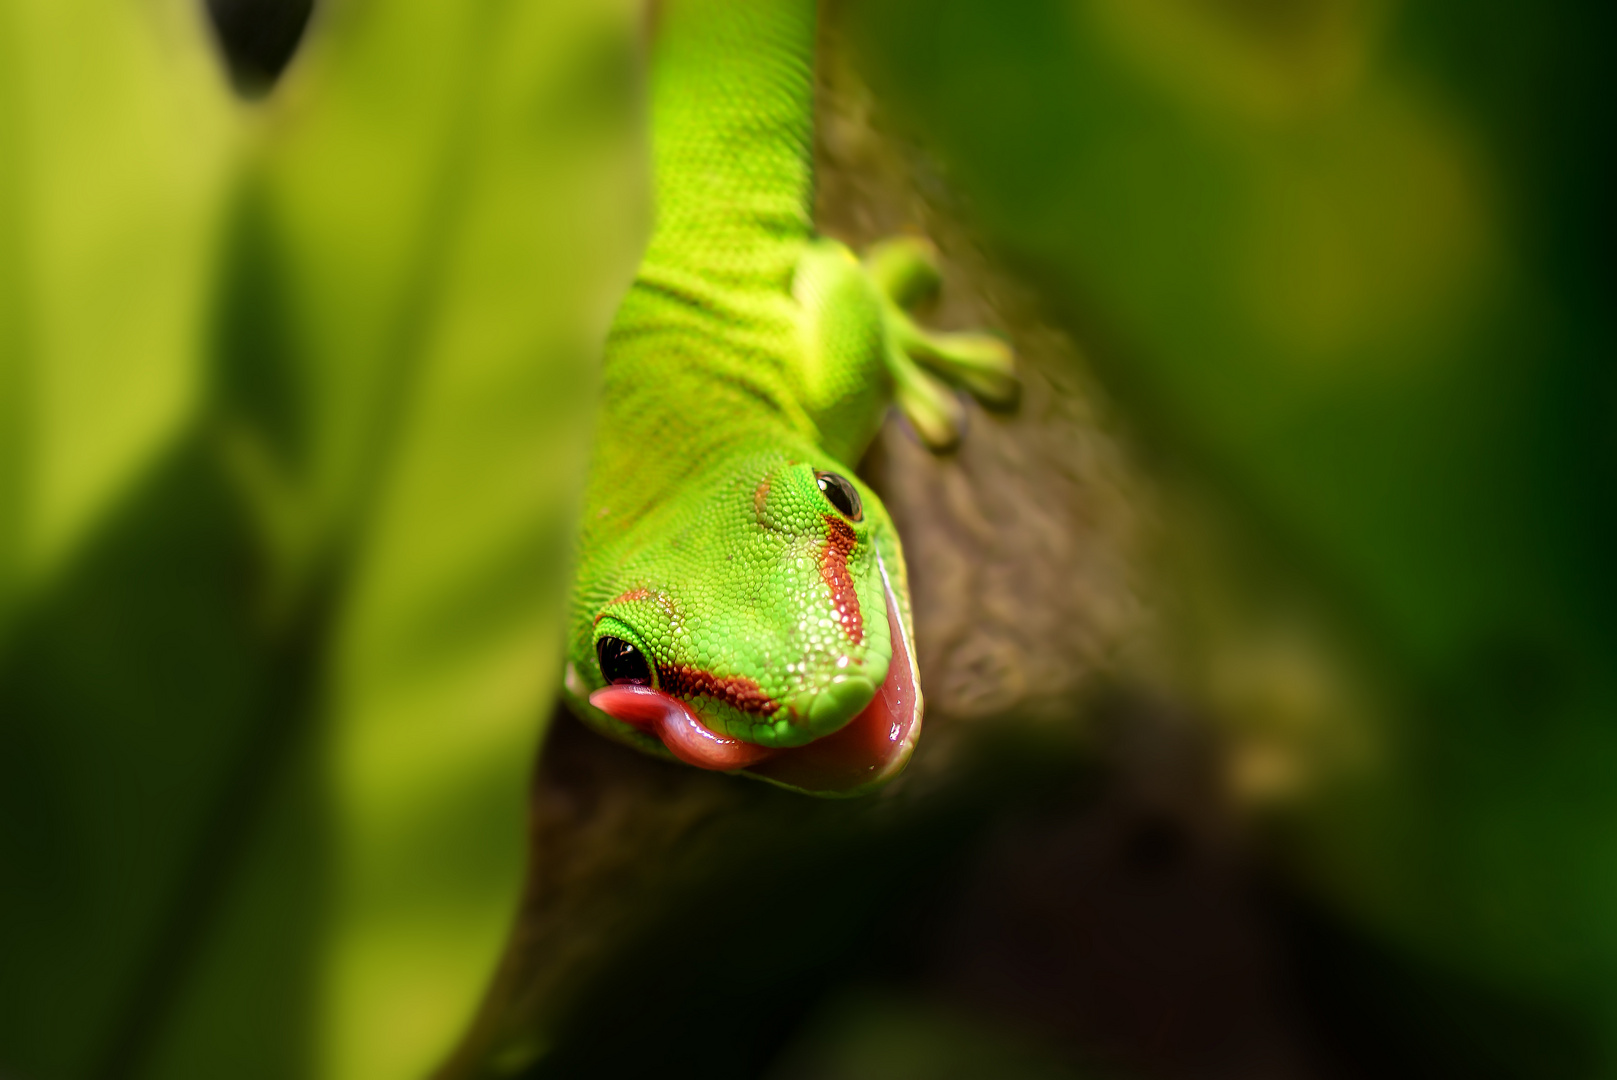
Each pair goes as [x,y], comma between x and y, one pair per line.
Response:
[841,495]
[622,662]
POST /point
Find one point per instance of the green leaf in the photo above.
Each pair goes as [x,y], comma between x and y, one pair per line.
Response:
[282,632]
[116,149]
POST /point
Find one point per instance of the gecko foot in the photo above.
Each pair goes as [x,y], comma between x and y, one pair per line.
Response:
[925,365]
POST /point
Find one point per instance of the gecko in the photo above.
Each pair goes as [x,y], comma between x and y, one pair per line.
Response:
[740,600]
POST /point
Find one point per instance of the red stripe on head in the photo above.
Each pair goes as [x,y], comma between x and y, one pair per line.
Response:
[834,569]
[737,691]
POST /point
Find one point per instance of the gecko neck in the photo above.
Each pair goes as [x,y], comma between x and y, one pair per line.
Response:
[732,128]
[702,350]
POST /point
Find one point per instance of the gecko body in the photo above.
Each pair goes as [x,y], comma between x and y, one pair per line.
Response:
[740,600]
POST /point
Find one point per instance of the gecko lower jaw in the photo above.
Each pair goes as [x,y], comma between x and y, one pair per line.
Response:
[867,751]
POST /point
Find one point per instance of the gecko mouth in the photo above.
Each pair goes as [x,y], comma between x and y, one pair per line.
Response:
[868,750]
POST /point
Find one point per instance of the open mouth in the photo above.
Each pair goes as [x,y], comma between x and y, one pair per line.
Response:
[868,750]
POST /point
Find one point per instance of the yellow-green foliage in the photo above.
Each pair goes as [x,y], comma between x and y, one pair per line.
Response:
[294,402]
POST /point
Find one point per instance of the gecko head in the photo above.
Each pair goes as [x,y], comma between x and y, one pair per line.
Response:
[761,628]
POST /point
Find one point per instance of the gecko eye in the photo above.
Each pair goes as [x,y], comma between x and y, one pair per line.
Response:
[622,662]
[841,495]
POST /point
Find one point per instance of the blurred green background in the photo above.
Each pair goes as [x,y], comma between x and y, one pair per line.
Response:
[294,388]
[1350,262]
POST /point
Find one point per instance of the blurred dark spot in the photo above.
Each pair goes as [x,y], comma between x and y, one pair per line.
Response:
[258,38]
[1372,1010]
[1516,676]
[1154,845]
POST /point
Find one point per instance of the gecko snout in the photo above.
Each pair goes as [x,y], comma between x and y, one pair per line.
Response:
[824,711]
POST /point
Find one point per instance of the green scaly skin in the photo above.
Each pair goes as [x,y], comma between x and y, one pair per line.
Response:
[749,356]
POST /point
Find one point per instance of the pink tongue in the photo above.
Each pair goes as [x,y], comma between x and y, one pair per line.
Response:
[672,721]
[870,747]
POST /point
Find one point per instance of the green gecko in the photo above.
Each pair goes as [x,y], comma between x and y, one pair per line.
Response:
[740,600]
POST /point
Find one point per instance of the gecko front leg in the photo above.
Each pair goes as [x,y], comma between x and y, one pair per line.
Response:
[861,332]
[905,271]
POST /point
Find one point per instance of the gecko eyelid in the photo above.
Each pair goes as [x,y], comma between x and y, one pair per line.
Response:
[841,494]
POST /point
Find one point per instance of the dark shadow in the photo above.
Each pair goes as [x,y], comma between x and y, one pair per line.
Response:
[258,39]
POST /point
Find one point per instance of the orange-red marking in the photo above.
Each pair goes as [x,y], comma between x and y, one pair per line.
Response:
[834,569]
